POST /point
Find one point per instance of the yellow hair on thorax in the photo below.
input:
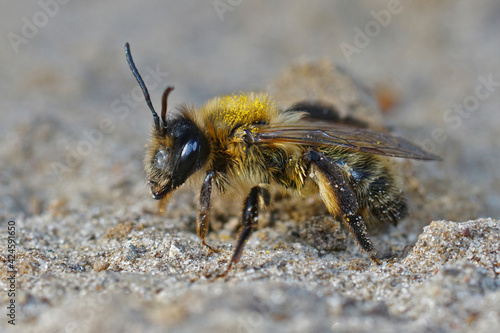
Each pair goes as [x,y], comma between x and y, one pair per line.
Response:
[242,108]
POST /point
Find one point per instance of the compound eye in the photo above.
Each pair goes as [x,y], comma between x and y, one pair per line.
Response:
[189,155]
[162,155]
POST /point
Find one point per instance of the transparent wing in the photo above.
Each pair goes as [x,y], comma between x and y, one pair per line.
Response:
[356,139]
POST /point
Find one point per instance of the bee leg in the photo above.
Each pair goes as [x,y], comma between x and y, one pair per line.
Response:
[204,199]
[340,198]
[249,220]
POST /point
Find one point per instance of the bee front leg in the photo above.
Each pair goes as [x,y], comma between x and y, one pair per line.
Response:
[340,198]
[249,220]
[204,199]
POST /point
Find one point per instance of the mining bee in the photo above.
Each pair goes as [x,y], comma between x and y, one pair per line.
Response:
[245,142]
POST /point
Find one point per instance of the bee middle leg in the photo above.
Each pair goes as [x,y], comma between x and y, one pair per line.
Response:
[340,198]
[249,220]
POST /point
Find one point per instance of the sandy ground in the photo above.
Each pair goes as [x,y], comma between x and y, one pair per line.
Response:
[92,251]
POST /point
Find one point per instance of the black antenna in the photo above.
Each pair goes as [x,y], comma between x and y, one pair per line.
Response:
[139,79]
[164,104]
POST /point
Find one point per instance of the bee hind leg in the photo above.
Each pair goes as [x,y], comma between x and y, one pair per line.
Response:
[250,218]
[204,199]
[340,199]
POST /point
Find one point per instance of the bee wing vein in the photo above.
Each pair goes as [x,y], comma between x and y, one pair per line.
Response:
[357,139]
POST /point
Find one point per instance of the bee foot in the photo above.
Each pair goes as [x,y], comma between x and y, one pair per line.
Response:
[375,260]
[210,249]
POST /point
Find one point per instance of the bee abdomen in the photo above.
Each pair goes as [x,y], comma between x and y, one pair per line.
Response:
[386,204]
[390,212]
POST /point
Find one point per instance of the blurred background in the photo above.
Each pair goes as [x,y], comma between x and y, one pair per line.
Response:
[73,127]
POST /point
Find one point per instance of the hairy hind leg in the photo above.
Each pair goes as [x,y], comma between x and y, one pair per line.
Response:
[340,199]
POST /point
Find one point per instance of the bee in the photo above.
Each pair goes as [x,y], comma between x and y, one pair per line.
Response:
[245,142]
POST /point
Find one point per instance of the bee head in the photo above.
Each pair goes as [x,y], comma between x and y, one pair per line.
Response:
[177,149]
[175,152]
